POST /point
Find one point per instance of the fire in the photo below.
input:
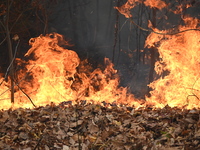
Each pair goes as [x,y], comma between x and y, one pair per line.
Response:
[155,4]
[130,4]
[179,56]
[53,70]
[179,63]
[56,74]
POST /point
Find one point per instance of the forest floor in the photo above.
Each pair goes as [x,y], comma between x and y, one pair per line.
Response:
[88,126]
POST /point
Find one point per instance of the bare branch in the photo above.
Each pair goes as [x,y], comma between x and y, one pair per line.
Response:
[169,33]
[11,63]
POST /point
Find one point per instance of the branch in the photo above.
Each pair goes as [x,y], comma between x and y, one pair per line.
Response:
[38,142]
[26,95]
[3,25]
[17,84]
[16,21]
[4,29]
[3,40]
[193,94]
[11,63]
[169,33]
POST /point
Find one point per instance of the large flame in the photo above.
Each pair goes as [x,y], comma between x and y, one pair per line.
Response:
[179,62]
[57,74]
[52,76]
[179,54]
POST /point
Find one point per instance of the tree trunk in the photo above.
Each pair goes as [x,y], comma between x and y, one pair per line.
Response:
[11,69]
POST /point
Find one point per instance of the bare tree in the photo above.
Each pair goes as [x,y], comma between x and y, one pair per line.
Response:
[24,20]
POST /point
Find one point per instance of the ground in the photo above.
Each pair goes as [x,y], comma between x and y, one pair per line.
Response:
[89,126]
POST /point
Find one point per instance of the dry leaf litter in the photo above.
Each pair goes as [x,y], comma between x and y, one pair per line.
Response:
[89,126]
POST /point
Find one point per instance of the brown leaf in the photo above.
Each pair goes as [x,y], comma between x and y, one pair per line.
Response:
[92,128]
[23,135]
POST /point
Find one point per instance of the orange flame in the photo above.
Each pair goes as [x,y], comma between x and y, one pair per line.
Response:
[130,4]
[179,62]
[179,54]
[155,4]
[53,77]
[56,74]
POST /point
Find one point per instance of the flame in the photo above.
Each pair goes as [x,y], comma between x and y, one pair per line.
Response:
[155,4]
[130,4]
[179,56]
[179,63]
[56,74]
[125,9]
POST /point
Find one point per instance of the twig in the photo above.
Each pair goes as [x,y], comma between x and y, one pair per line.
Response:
[57,90]
[193,94]
[6,74]
[11,63]
[16,21]
[26,95]
[168,33]
[3,25]
[3,40]
[38,142]
[17,82]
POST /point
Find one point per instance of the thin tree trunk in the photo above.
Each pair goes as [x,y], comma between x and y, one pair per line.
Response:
[10,52]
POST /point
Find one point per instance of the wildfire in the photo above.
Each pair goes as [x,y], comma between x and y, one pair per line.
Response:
[56,74]
[179,55]
[179,63]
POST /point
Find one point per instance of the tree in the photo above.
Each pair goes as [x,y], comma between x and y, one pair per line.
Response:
[20,20]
